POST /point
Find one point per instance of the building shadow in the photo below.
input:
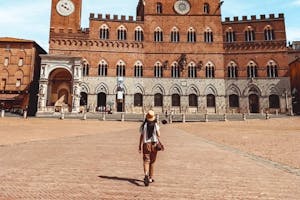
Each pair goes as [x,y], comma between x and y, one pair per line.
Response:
[130,180]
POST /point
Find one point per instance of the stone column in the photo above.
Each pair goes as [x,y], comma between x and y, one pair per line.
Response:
[42,96]
[76,98]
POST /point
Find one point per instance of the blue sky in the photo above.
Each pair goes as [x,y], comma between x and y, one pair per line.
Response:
[30,19]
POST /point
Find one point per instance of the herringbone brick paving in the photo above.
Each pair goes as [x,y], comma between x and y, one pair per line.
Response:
[98,160]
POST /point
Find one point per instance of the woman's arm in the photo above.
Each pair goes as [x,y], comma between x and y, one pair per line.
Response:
[140,144]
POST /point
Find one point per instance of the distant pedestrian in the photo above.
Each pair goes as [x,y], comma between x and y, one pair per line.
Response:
[148,145]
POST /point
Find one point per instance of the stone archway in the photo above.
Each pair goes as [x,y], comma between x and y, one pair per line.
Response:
[60,89]
[254,103]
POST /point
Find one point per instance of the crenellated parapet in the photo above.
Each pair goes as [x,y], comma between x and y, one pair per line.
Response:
[254,18]
[116,18]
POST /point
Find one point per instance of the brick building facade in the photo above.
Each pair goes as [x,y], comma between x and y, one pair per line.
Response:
[19,74]
[175,56]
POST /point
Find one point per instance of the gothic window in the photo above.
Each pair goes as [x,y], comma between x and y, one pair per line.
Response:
[85,68]
[138,70]
[3,84]
[159,8]
[158,35]
[192,70]
[206,8]
[158,70]
[232,70]
[175,100]
[272,70]
[175,35]
[104,32]
[208,36]
[18,83]
[210,70]
[138,99]
[120,69]
[249,34]
[274,101]
[230,36]
[269,33]
[21,62]
[252,70]
[210,101]
[122,33]
[193,100]
[234,101]
[6,61]
[175,72]
[139,34]
[191,37]
[102,68]
[158,100]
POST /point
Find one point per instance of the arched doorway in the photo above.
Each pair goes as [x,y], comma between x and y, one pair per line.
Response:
[120,100]
[101,101]
[59,89]
[83,99]
[254,103]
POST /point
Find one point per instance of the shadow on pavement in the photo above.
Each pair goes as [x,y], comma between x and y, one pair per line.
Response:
[130,180]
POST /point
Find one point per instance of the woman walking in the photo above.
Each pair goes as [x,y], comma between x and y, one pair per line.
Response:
[148,142]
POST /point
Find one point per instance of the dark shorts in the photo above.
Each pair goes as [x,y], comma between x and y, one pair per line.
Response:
[149,152]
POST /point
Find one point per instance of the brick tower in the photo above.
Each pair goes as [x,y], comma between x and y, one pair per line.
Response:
[65,15]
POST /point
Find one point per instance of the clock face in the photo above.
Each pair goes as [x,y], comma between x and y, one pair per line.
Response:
[182,7]
[65,7]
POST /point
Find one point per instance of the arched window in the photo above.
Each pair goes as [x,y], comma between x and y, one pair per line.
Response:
[191,37]
[192,70]
[21,62]
[159,8]
[210,70]
[122,33]
[175,35]
[6,61]
[104,32]
[234,101]
[158,100]
[249,34]
[252,70]
[210,101]
[208,36]
[85,68]
[139,34]
[138,69]
[175,100]
[175,72]
[232,70]
[138,99]
[269,33]
[193,100]
[272,70]
[158,70]
[102,68]
[230,35]
[274,101]
[158,35]
[206,8]
[120,69]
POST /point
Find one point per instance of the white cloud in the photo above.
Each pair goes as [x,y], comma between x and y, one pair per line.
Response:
[293,34]
[296,2]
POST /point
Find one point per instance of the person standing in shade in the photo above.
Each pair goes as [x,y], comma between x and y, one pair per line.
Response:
[149,138]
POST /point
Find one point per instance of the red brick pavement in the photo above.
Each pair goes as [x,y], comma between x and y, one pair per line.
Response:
[106,165]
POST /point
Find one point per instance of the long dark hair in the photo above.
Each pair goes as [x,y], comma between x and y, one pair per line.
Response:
[150,127]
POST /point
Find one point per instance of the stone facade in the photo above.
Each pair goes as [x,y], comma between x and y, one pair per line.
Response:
[176,56]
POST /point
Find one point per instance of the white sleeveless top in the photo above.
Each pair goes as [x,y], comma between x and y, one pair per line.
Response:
[154,135]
